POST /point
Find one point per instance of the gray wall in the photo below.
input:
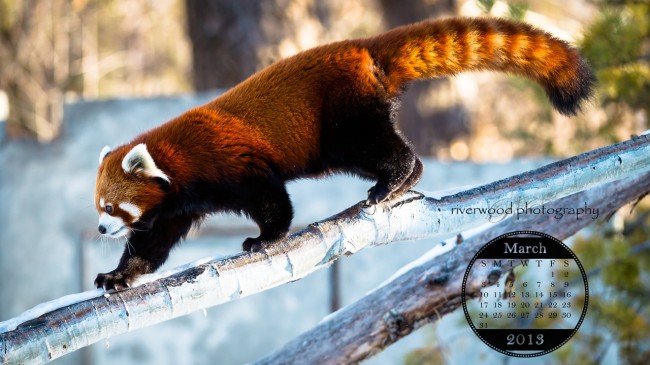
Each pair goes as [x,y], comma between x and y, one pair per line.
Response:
[49,248]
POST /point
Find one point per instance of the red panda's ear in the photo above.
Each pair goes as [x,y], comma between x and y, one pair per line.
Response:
[139,160]
[105,151]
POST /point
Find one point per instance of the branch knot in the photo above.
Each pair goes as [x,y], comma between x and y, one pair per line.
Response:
[396,324]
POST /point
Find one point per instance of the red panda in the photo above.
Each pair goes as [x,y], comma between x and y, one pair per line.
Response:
[325,110]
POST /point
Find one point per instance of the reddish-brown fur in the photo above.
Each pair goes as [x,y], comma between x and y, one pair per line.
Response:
[327,109]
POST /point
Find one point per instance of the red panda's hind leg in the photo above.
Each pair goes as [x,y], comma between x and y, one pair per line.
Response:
[392,187]
[393,162]
[410,182]
[364,141]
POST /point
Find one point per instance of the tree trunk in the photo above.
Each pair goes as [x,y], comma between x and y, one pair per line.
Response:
[34,42]
[233,39]
[225,35]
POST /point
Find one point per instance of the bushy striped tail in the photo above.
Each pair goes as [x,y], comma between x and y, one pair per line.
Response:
[446,47]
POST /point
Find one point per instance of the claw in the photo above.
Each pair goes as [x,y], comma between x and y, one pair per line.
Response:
[377,194]
[114,281]
[252,245]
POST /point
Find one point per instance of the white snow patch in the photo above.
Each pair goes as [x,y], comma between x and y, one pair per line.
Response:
[39,310]
[439,194]
[148,278]
[330,316]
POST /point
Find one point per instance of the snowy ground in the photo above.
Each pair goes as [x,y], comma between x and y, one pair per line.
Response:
[48,247]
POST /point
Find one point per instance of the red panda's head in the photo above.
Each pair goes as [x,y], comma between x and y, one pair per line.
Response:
[128,187]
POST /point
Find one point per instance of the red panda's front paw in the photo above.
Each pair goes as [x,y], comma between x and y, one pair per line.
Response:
[115,280]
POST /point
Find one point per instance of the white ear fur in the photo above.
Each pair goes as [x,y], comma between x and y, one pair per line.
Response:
[105,151]
[139,159]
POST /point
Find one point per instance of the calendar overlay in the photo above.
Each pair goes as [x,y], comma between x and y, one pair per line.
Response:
[539,306]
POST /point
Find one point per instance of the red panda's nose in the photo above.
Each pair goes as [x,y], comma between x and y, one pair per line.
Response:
[101,229]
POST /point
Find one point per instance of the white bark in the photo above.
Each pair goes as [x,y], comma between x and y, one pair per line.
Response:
[159,297]
[431,287]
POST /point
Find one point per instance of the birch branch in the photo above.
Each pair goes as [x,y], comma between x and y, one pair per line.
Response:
[432,287]
[52,330]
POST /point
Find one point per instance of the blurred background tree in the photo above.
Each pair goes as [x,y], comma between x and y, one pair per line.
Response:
[56,50]
[36,62]
[221,27]
[617,45]
[53,51]
[233,39]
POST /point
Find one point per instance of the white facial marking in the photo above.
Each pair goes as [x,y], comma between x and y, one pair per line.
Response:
[115,226]
[132,209]
[102,202]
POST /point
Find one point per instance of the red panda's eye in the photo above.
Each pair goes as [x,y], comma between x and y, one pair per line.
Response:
[108,209]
